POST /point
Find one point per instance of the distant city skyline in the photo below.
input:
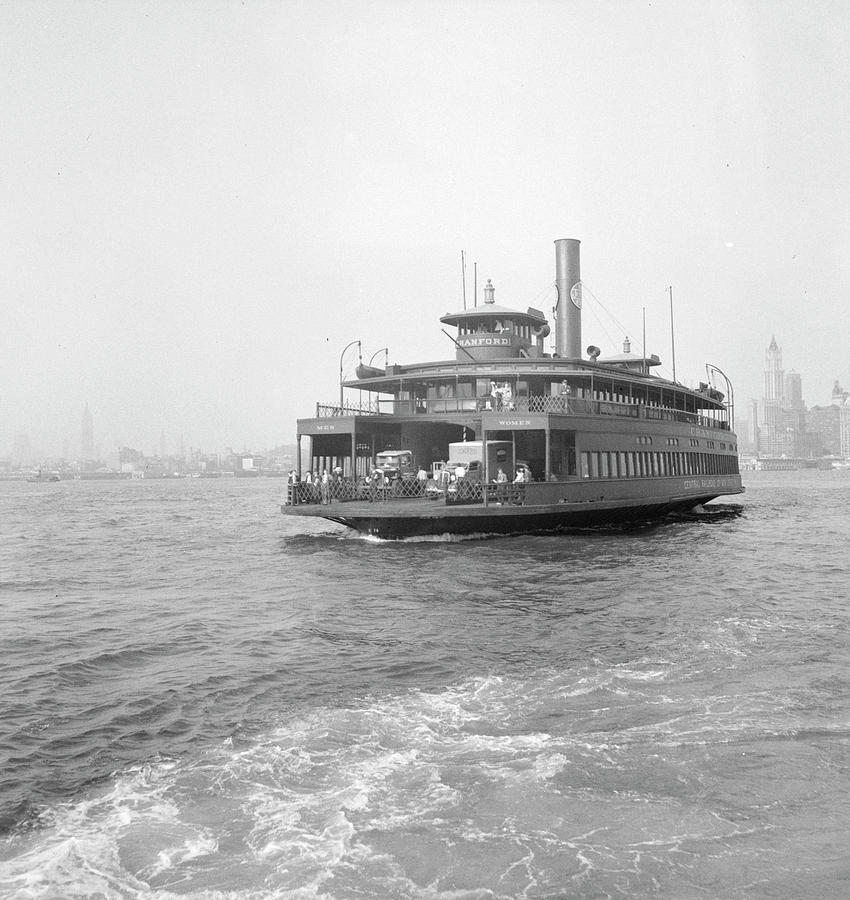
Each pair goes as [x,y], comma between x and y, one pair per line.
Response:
[777,385]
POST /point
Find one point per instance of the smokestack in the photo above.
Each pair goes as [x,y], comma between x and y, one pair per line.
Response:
[568,274]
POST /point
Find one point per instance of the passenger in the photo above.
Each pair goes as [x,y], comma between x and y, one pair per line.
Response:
[520,475]
[421,480]
[501,482]
[565,395]
[326,488]
[374,484]
[460,471]
[496,394]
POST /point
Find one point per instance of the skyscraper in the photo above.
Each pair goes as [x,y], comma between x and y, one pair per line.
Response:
[770,437]
[774,376]
[782,424]
[87,436]
[794,390]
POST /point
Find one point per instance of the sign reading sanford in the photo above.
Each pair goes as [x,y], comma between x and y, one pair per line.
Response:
[484,341]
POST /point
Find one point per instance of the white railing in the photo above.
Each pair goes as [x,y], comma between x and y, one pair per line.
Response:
[530,404]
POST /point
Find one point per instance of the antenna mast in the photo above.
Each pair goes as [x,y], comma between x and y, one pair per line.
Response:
[463,277]
[643,361]
[672,333]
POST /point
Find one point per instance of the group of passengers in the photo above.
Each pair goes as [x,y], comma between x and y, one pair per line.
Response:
[501,396]
[315,487]
[319,486]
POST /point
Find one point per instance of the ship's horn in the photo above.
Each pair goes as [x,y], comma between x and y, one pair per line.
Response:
[593,352]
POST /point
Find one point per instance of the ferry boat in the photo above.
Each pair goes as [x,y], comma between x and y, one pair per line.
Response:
[506,438]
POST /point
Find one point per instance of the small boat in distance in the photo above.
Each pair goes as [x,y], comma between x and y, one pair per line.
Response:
[506,438]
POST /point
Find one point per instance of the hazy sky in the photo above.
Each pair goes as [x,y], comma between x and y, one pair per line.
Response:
[204,202]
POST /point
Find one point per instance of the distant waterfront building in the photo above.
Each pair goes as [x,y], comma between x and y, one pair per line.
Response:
[823,424]
[794,391]
[844,428]
[87,453]
[747,434]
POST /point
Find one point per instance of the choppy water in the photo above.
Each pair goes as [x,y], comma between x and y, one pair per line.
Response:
[201,698]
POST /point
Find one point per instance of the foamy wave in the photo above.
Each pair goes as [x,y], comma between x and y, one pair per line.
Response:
[380,799]
[444,538]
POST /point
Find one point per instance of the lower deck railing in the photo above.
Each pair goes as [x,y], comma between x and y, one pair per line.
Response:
[346,490]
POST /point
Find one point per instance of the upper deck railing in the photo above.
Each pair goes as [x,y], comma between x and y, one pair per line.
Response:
[530,404]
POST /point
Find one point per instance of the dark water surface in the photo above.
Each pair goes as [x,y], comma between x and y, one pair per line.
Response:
[201,698]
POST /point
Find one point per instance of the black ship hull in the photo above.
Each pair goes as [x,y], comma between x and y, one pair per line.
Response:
[405,522]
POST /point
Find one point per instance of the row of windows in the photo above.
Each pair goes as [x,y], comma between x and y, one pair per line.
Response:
[646,464]
[694,442]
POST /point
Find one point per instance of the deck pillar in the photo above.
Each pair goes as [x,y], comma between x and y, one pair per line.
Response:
[485,474]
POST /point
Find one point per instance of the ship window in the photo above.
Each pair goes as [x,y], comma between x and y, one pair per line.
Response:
[585,464]
[594,464]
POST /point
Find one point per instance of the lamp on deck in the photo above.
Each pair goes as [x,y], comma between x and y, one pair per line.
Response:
[350,344]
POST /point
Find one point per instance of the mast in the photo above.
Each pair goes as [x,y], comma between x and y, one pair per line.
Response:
[463,277]
[672,333]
